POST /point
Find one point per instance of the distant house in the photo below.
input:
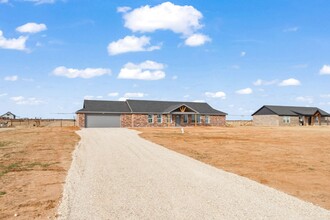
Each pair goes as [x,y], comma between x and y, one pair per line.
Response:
[142,113]
[8,115]
[271,115]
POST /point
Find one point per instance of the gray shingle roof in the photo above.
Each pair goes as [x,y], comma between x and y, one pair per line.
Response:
[98,106]
[292,110]
[139,106]
[144,106]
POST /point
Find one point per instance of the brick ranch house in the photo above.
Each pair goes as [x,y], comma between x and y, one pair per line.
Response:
[142,113]
[270,115]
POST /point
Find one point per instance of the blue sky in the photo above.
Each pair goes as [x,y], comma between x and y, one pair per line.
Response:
[235,55]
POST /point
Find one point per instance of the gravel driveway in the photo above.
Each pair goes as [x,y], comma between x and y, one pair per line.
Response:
[115,174]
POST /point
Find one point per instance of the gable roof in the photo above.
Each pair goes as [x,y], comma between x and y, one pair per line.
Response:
[6,114]
[145,106]
[291,110]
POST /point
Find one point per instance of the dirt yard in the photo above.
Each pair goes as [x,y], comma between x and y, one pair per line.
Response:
[295,160]
[33,166]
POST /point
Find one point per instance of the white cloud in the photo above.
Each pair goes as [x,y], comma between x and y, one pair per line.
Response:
[325,70]
[131,44]
[11,78]
[243,53]
[3,94]
[308,99]
[219,94]
[290,82]
[21,100]
[3,1]
[325,96]
[31,28]
[134,95]
[261,82]
[14,43]
[83,73]
[40,2]
[300,66]
[91,97]
[166,16]
[236,67]
[174,77]
[246,91]
[324,103]
[197,40]
[148,70]
[113,94]
[291,29]
[123,9]
[129,95]
[199,101]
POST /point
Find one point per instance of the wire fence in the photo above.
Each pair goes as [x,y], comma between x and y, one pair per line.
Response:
[5,123]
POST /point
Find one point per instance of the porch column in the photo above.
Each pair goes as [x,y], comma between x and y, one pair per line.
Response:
[195,119]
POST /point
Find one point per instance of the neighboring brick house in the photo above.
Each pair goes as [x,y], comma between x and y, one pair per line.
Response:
[270,115]
[8,115]
[142,113]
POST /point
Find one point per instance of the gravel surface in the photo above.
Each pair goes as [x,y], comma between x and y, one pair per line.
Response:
[115,174]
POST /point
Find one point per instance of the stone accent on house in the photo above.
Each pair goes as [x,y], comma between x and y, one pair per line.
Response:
[217,120]
[81,120]
[274,120]
[266,120]
[294,121]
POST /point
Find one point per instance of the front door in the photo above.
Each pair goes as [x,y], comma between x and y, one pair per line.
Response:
[177,120]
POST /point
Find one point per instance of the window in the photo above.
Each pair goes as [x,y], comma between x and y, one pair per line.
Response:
[150,119]
[198,118]
[286,119]
[207,119]
[159,119]
[185,119]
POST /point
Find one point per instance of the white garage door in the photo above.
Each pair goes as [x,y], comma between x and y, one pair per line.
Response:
[102,121]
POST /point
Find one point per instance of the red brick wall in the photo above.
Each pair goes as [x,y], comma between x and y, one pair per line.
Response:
[126,120]
[218,120]
[81,120]
[141,120]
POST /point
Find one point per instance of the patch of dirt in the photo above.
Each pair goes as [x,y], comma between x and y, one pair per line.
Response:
[33,166]
[295,160]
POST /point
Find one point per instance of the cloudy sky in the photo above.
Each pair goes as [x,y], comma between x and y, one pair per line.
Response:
[235,55]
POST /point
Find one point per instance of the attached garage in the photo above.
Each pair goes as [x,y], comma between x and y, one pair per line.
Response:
[147,113]
[102,121]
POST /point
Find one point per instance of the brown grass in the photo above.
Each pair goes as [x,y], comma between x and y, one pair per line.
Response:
[295,160]
[33,166]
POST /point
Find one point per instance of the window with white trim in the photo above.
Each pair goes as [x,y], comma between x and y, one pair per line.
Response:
[185,119]
[286,119]
[159,119]
[198,118]
[150,119]
[193,118]
[207,119]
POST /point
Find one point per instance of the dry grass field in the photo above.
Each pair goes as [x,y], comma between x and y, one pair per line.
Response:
[295,160]
[33,166]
